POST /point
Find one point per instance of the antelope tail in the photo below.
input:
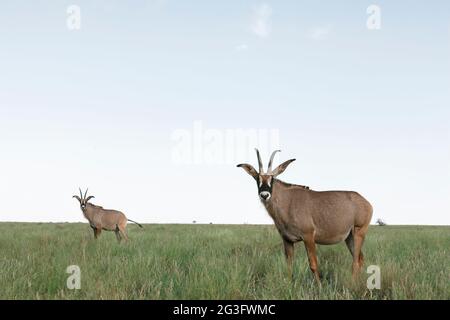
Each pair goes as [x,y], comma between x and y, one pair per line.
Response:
[140,225]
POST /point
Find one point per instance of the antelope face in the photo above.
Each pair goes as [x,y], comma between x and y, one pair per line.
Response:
[265,180]
[83,200]
[265,183]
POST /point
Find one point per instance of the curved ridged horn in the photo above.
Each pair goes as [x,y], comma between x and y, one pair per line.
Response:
[269,167]
[85,194]
[259,162]
[81,193]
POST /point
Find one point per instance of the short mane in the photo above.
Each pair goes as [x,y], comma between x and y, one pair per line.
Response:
[99,207]
[293,185]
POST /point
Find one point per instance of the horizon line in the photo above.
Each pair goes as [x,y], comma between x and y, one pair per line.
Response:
[212,223]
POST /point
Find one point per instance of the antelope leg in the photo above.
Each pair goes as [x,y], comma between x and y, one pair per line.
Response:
[118,235]
[289,253]
[310,246]
[358,257]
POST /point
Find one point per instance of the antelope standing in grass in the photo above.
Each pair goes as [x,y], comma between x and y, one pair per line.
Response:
[314,217]
[103,219]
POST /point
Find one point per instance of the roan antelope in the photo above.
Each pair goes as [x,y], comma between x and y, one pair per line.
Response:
[314,217]
[103,219]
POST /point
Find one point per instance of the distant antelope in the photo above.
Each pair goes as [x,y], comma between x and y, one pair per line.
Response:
[103,219]
[301,214]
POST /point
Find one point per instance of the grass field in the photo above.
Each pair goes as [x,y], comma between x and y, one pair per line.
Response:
[214,262]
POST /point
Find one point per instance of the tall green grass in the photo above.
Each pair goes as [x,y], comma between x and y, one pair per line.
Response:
[214,262]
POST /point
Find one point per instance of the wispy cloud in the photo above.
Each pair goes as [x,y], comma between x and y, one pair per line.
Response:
[261,20]
[319,33]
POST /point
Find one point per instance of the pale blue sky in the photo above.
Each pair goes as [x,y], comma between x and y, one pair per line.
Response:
[364,110]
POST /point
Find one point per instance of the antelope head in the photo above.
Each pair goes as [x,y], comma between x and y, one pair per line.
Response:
[265,181]
[83,200]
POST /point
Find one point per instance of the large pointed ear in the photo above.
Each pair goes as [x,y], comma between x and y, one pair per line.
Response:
[249,169]
[280,169]
[89,198]
[77,197]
